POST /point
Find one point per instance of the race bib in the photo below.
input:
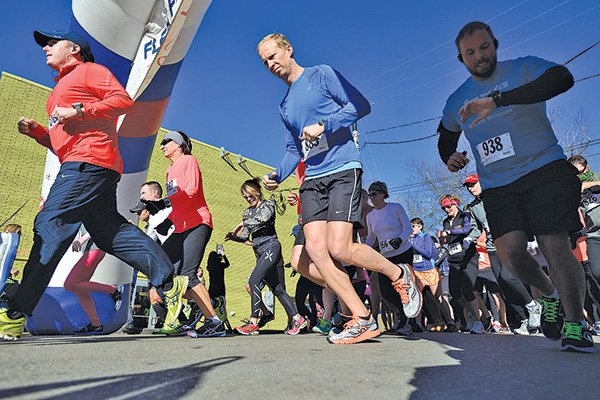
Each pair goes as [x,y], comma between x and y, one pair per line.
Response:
[385,245]
[417,258]
[495,149]
[589,202]
[454,248]
[172,187]
[313,147]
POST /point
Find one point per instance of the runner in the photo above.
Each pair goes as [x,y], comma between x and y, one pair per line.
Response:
[513,289]
[259,224]
[317,111]
[528,186]
[463,262]
[83,109]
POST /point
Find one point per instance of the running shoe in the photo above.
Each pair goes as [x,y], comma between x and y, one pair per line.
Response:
[523,329]
[356,330]
[247,329]
[477,328]
[552,320]
[209,329]
[406,330]
[338,322]
[596,328]
[265,319]
[173,300]
[441,327]
[535,314]
[89,328]
[10,329]
[504,330]
[577,337]
[451,328]
[116,296]
[177,330]
[296,326]
[495,327]
[411,298]
[131,329]
[323,327]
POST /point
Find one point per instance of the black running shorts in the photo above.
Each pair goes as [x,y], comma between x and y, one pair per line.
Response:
[334,197]
[542,202]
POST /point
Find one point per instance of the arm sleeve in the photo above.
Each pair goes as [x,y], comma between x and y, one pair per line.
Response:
[405,221]
[371,238]
[477,229]
[551,83]
[466,226]
[114,100]
[354,104]
[40,134]
[290,161]
[447,142]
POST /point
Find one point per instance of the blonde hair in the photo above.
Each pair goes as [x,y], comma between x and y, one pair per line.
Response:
[278,38]
[252,186]
[13,228]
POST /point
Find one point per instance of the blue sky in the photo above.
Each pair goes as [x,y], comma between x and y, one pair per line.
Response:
[400,54]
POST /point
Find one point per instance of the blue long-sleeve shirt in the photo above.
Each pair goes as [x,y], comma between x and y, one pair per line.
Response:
[321,94]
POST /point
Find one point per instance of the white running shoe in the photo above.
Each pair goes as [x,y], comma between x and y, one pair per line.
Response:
[535,315]
[411,298]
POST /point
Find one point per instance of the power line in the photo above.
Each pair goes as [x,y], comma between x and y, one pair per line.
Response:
[582,52]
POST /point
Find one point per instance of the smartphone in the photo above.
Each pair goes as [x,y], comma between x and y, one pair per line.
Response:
[220,250]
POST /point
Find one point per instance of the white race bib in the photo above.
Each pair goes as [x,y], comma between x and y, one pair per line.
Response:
[417,258]
[589,202]
[172,187]
[454,248]
[313,147]
[495,149]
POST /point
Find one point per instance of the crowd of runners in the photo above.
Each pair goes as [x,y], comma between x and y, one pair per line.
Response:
[502,263]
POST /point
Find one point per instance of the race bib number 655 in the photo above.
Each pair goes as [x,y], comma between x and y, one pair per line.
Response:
[495,149]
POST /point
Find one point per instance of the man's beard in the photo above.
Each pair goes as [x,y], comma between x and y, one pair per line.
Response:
[489,71]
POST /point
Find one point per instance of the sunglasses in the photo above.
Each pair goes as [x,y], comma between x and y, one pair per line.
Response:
[469,184]
[373,194]
[447,207]
[165,141]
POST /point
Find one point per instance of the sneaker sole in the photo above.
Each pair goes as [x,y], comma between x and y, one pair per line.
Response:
[575,349]
[360,338]
[246,333]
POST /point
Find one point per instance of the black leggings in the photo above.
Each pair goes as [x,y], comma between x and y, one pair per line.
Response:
[307,288]
[463,275]
[186,250]
[269,269]
[512,288]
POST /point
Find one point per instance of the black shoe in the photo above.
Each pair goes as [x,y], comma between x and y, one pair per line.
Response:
[265,319]
[577,337]
[451,328]
[552,320]
[89,328]
[131,329]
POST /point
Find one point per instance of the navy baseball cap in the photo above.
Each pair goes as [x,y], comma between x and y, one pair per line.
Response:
[42,39]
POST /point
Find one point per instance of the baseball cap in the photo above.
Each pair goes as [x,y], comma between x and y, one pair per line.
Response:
[42,39]
[473,178]
[139,206]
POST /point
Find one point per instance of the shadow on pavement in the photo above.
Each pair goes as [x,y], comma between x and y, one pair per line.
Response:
[164,384]
[487,366]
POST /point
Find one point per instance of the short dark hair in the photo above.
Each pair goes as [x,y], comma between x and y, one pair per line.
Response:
[471,27]
[154,186]
[186,146]
[417,221]
[578,159]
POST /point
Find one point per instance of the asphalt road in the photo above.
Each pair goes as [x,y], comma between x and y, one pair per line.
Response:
[276,366]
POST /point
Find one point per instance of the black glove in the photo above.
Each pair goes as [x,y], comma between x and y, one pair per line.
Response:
[163,227]
[395,243]
[154,206]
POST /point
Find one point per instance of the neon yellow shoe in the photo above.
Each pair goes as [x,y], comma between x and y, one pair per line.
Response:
[10,329]
[174,301]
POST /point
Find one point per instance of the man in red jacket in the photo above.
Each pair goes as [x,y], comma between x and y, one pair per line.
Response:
[83,109]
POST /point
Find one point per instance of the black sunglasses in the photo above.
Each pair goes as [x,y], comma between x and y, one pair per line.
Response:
[165,141]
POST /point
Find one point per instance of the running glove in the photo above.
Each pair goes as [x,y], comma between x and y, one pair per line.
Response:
[154,206]
[395,243]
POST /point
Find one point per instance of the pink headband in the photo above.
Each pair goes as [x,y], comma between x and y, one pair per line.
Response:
[448,202]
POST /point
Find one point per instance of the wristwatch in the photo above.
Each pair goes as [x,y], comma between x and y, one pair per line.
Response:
[497,97]
[79,108]
[321,123]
